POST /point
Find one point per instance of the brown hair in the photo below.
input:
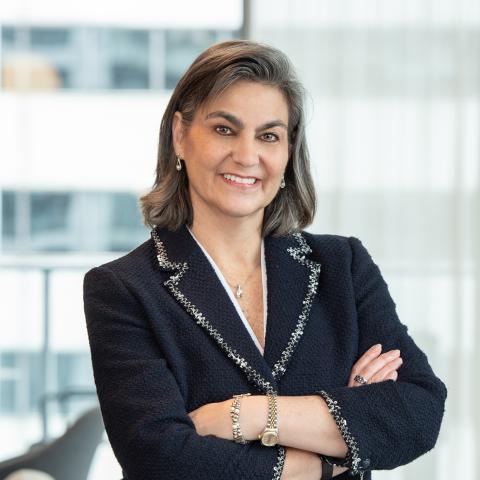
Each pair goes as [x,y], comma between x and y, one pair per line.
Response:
[168,202]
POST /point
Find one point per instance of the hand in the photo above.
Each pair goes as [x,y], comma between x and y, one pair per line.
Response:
[213,419]
[375,367]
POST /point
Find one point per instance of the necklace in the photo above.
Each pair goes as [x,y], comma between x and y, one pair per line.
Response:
[238,286]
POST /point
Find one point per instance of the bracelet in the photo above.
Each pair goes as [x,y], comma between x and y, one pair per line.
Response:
[327,469]
[235,415]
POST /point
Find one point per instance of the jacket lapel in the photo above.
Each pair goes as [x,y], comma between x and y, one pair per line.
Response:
[291,284]
[292,281]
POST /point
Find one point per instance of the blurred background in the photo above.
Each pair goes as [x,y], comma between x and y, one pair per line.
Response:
[393,128]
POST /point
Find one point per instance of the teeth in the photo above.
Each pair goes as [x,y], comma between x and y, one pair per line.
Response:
[248,181]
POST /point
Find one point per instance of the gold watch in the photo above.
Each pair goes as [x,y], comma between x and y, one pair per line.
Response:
[269,436]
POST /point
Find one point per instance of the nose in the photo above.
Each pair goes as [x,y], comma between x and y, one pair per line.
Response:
[246,153]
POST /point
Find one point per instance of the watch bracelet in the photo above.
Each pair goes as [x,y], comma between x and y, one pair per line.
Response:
[272,420]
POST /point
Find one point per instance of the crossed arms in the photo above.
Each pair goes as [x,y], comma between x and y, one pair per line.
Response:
[388,423]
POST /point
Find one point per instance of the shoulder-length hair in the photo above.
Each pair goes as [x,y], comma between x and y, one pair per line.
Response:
[168,202]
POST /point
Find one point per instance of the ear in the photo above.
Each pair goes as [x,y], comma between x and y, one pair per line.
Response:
[177,133]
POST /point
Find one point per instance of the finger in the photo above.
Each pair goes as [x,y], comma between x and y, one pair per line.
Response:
[378,363]
[370,363]
[386,370]
[391,376]
[366,358]
[394,375]
[353,383]
[377,368]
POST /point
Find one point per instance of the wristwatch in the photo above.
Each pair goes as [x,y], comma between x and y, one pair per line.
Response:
[269,436]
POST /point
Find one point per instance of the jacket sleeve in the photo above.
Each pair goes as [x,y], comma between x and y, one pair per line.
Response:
[390,423]
[143,410]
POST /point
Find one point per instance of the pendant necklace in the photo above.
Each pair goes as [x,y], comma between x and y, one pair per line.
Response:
[238,287]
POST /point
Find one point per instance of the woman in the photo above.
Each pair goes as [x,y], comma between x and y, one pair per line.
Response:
[230,344]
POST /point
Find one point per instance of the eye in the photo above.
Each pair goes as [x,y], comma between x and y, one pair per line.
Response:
[222,129]
[271,137]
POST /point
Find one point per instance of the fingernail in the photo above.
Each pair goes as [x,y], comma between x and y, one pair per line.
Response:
[378,346]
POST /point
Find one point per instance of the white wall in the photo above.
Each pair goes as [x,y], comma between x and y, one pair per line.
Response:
[125,13]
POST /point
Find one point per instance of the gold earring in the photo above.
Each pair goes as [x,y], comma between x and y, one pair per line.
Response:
[282,183]
[179,165]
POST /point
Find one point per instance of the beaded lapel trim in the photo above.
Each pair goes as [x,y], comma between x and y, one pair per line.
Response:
[278,468]
[352,460]
[298,253]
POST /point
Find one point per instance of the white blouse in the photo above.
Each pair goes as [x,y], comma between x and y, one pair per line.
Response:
[232,296]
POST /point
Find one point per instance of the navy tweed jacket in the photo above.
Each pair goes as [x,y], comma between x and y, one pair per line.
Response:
[165,339]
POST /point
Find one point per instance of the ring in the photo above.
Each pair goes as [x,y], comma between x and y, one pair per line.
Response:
[360,379]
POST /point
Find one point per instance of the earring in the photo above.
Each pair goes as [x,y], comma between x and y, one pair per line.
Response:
[179,165]
[282,183]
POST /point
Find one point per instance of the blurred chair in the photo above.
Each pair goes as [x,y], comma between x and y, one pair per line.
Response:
[68,457]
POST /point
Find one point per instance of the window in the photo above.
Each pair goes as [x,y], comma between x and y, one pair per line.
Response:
[93,58]
[49,37]
[71,221]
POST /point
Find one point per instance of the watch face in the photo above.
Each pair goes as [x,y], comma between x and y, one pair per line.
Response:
[269,439]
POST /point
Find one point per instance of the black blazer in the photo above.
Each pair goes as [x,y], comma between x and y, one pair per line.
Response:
[165,339]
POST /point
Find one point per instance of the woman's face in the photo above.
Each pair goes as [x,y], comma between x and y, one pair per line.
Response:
[235,151]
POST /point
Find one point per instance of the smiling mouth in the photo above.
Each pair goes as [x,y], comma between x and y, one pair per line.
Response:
[240,180]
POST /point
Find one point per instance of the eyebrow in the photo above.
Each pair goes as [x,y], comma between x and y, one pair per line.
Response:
[239,124]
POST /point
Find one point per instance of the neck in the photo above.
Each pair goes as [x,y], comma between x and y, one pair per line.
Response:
[232,242]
